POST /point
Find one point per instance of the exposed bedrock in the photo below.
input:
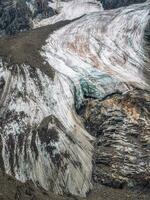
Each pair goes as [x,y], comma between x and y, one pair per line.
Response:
[17,15]
[40,8]
[121,125]
[14,17]
[111,4]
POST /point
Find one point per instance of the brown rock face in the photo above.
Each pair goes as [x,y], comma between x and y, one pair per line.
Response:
[121,125]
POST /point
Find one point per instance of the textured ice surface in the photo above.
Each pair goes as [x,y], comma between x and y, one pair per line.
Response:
[93,57]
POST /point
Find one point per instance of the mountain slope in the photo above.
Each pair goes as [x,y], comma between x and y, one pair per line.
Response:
[14,190]
[18,15]
[74,100]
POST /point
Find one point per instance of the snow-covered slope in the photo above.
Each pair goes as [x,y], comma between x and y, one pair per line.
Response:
[70,10]
[43,139]
[98,54]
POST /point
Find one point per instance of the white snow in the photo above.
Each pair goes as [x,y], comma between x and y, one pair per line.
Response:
[93,41]
[70,10]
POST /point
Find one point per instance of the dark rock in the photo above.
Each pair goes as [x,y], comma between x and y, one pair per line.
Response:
[41,7]
[16,16]
[121,125]
[111,4]
[2,84]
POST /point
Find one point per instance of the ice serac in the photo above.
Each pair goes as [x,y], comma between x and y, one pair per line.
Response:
[98,55]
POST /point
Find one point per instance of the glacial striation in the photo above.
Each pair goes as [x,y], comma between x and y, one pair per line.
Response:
[121,125]
[75,99]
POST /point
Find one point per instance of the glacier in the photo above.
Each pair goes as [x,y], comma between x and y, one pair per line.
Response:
[98,54]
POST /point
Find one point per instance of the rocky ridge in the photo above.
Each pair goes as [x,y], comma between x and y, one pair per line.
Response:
[17,15]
